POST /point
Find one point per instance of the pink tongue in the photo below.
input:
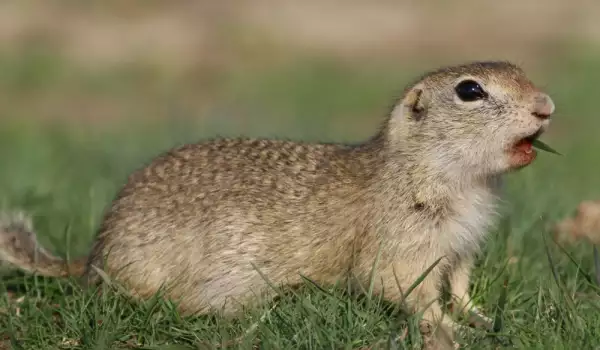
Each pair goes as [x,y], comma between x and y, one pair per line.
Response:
[524,146]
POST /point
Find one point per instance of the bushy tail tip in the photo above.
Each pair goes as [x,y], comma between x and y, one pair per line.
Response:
[19,247]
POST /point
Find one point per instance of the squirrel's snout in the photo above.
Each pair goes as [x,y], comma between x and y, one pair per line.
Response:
[543,106]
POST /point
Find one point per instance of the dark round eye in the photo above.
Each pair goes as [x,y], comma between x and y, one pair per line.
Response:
[469,90]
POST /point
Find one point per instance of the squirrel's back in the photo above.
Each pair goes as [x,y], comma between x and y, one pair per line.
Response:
[204,208]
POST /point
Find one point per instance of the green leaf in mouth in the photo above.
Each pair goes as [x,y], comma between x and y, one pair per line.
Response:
[544,147]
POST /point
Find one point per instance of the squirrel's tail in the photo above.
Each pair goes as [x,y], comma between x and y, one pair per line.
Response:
[19,247]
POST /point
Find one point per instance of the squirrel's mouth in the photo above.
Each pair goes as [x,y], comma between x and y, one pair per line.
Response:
[522,152]
[526,144]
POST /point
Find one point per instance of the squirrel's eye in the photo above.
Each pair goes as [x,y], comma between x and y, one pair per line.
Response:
[469,90]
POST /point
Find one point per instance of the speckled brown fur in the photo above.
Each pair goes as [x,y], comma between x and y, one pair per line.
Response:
[201,217]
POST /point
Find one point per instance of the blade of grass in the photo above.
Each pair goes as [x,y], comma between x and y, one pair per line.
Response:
[267,281]
[414,285]
[585,275]
[372,277]
[544,147]
[316,286]
[497,326]
[420,279]
[570,303]
[597,264]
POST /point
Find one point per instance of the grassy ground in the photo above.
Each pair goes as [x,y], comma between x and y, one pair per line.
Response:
[66,177]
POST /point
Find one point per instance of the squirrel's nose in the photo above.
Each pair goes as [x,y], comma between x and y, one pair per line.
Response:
[543,106]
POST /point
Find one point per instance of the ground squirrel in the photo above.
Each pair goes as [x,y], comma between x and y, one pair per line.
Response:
[201,218]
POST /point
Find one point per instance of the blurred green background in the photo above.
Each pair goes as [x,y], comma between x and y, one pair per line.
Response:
[91,90]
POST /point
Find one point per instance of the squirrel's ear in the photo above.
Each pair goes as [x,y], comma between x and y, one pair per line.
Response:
[414,104]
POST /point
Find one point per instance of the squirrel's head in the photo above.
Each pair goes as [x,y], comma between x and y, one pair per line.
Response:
[478,118]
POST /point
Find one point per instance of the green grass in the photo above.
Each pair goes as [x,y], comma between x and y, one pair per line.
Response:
[66,177]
